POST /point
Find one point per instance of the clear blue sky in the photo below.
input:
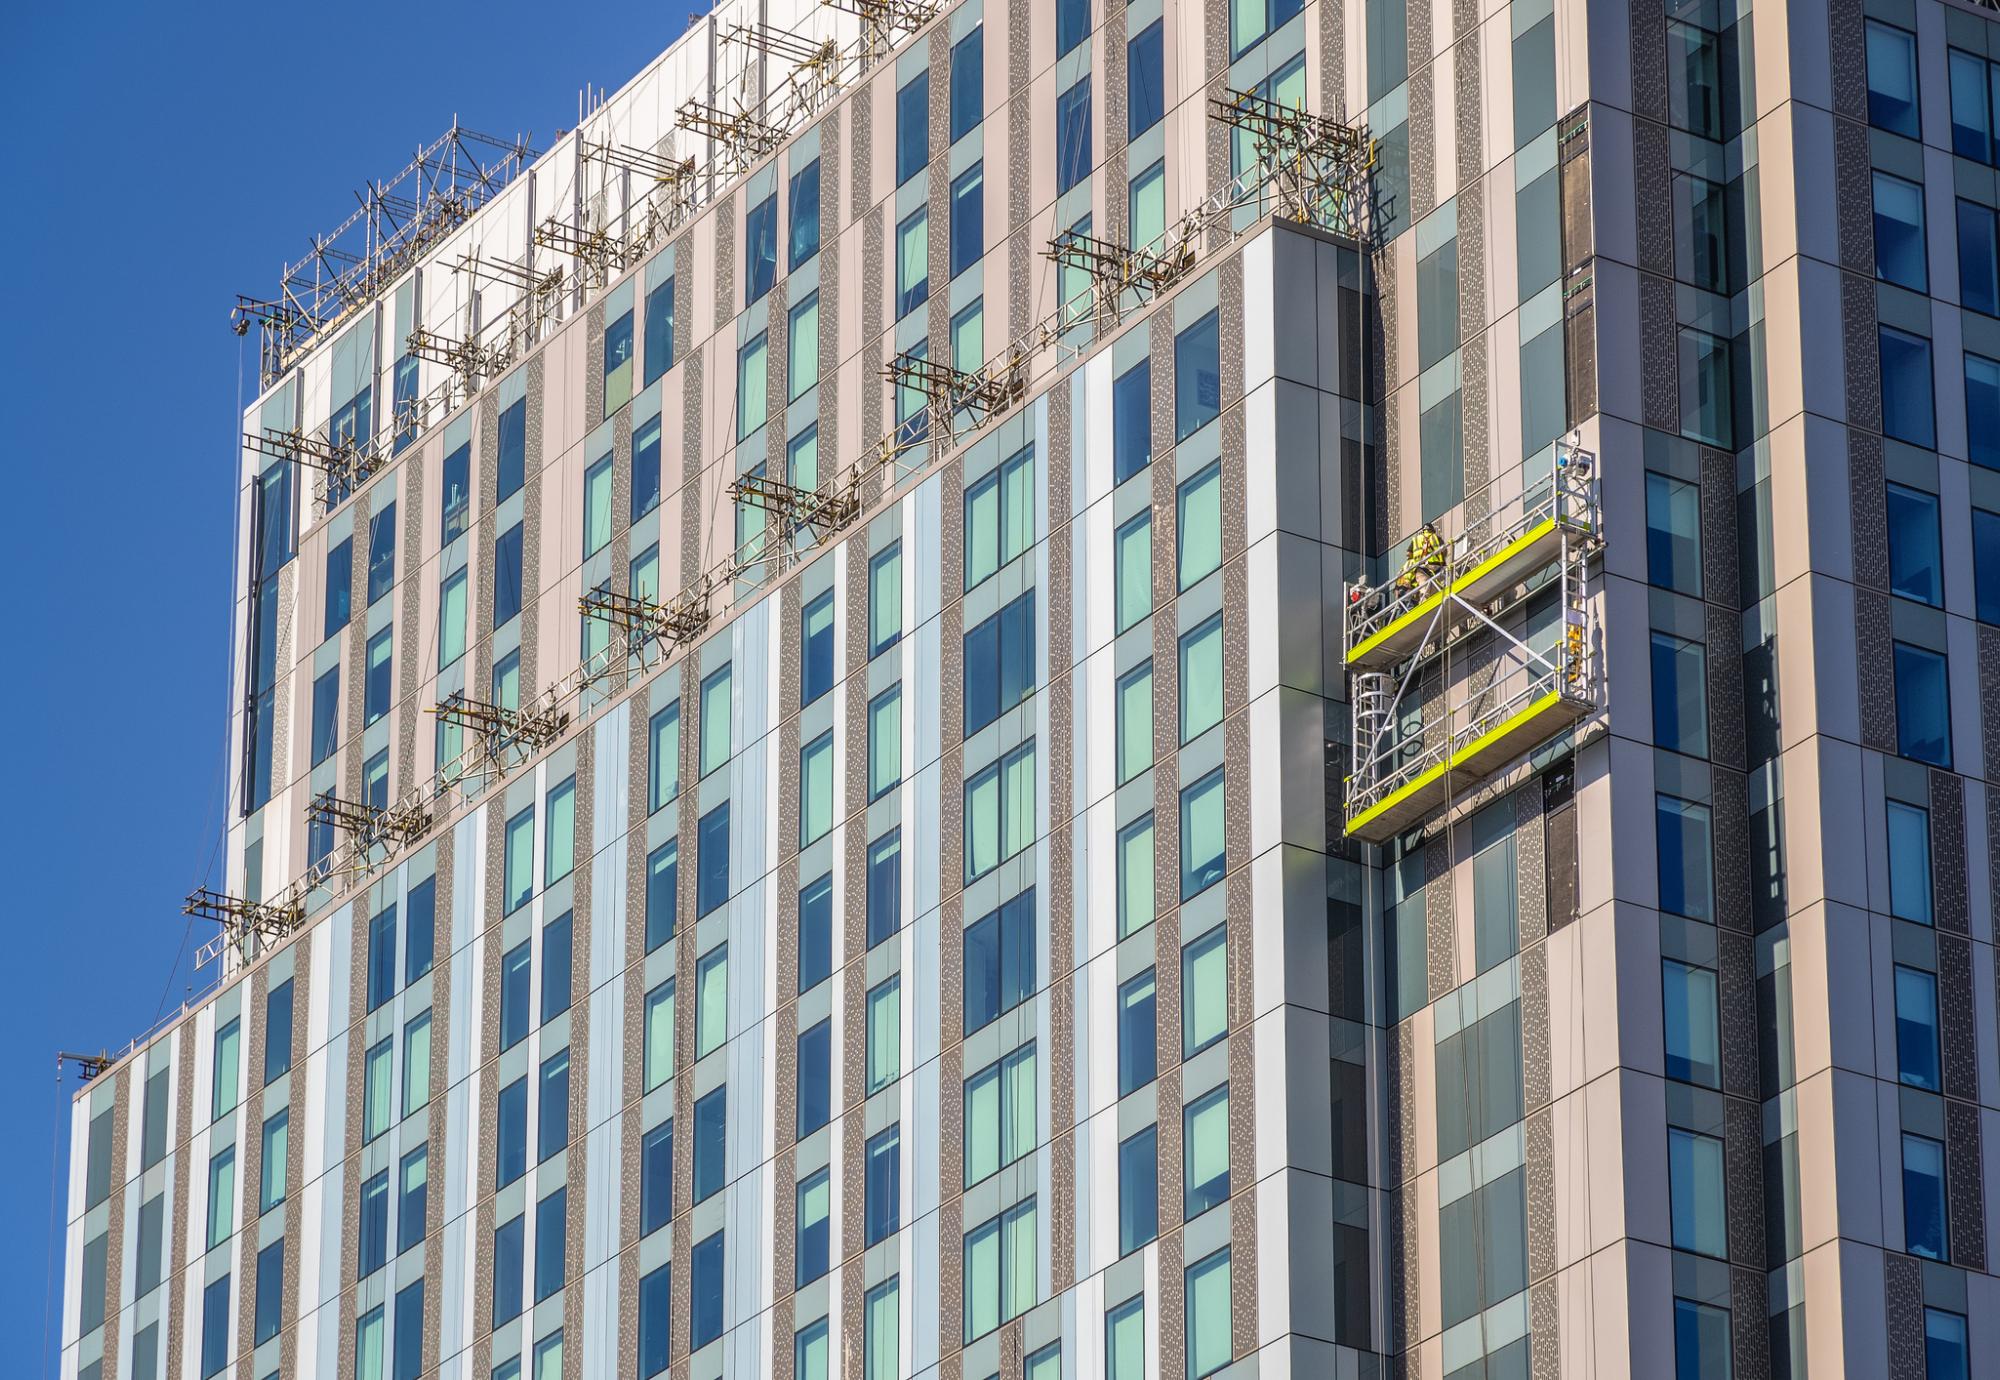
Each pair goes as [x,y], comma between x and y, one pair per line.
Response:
[161,159]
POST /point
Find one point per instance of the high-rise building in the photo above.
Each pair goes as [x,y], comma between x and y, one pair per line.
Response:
[1115,540]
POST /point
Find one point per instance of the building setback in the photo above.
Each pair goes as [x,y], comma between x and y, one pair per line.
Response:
[818,798]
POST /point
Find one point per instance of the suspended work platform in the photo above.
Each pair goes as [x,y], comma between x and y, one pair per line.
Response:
[1411,760]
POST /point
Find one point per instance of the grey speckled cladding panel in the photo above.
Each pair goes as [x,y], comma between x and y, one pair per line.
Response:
[1659,396]
[1868,517]
[1855,201]
[1750,1347]
[1873,667]
[1860,344]
[1958,1036]
[1903,1297]
[1964,1176]
[1947,804]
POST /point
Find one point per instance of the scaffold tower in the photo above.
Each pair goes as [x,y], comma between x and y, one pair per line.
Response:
[1411,758]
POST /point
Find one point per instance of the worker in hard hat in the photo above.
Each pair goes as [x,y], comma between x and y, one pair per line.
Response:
[1424,562]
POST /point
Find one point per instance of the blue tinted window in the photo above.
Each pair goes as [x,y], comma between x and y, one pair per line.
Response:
[1145,81]
[1986,564]
[372,1238]
[803,210]
[1072,24]
[656,1302]
[551,1216]
[812,1215]
[1916,562]
[507,575]
[512,465]
[1945,1354]
[659,330]
[705,1269]
[1132,422]
[553,1118]
[913,127]
[278,1031]
[816,933]
[1138,1033]
[999,663]
[710,1142]
[968,83]
[1923,705]
[270,1293]
[509,1242]
[815,1078]
[514,1007]
[215,1321]
[1202,837]
[662,893]
[760,249]
[1000,961]
[326,715]
[420,927]
[656,1178]
[913,282]
[968,219]
[409,1359]
[556,955]
[339,586]
[816,669]
[1197,376]
[1917,1028]
[1982,410]
[1138,1190]
[712,860]
[412,1204]
[645,469]
[382,958]
[1973,85]
[1978,258]
[511,1133]
[1892,79]
[883,1185]
[1899,233]
[1907,414]
[377,685]
[1923,1198]
[457,492]
[1073,152]
[885,887]
[381,551]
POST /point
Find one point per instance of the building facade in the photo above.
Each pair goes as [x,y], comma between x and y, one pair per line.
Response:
[1121,933]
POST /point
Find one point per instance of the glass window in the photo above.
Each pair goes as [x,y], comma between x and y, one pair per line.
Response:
[1917,1028]
[1907,414]
[270,1306]
[1208,1316]
[1125,1340]
[803,213]
[1205,1144]
[816,663]
[659,338]
[711,1143]
[656,1178]
[1135,876]
[221,1196]
[816,933]
[1686,858]
[1978,257]
[1892,79]
[1437,303]
[659,1052]
[913,262]
[802,372]
[1701,1341]
[711,1000]
[1923,705]
[1138,1033]
[511,1133]
[1134,567]
[815,789]
[1000,1114]
[715,711]
[885,886]
[663,762]
[1899,233]
[1909,861]
[913,127]
[451,619]
[1072,24]
[885,1035]
[519,864]
[752,391]
[1203,850]
[1197,376]
[1945,1353]
[618,363]
[1680,695]
[509,1246]
[881,1338]
[1972,89]
[382,958]
[662,893]
[372,1227]
[1916,561]
[457,487]
[999,961]
[645,469]
[559,852]
[1200,525]
[1132,422]
[882,1185]
[1694,1174]
[421,937]
[326,715]
[999,812]
[968,83]
[507,576]
[412,1206]
[278,1029]
[1707,389]
[339,586]
[551,1215]
[1145,83]
[1138,1190]
[705,1266]
[1073,151]
[1073,283]
[1924,1230]
[1673,534]
[1147,205]
[885,742]
[277,1139]
[810,1251]
[417,1064]
[999,518]
[1692,1043]
[368,1330]
[760,250]
[815,1078]
[1135,722]
[223,1091]
[1000,1263]
[1986,563]
[1204,991]
[968,223]
[1982,410]
[1201,679]
[552,1119]
[885,599]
